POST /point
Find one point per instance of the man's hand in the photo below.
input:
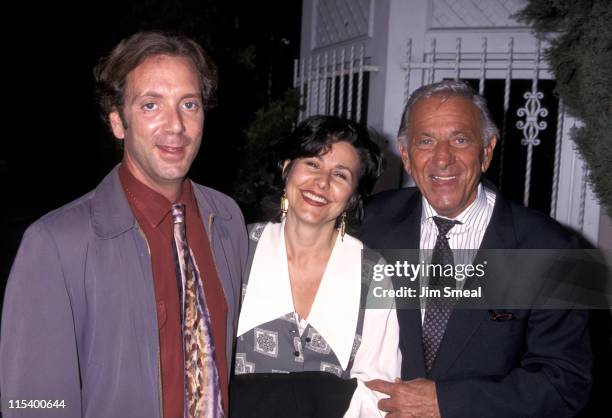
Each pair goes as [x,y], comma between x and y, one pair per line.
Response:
[412,398]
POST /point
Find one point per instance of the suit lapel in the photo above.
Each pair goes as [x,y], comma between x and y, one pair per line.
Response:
[407,230]
[500,232]
[463,323]
[407,235]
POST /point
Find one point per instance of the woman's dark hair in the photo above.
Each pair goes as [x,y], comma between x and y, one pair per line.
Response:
[315,136]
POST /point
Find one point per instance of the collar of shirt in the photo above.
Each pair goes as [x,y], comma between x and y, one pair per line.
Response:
[153,205]
[466,217]
[335,309]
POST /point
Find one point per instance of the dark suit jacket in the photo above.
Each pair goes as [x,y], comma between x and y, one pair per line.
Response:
[537,364]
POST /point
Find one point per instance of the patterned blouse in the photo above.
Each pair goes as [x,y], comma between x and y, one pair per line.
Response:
[277,345]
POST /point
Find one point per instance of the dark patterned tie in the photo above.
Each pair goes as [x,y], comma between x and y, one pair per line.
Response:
[438,310]
[202,388]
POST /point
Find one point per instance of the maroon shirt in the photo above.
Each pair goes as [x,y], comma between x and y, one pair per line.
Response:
[153,213]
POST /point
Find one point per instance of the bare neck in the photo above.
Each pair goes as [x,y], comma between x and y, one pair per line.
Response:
[307,241]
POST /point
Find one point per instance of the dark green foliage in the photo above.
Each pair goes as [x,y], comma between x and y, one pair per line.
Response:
[255,180]
[581,58]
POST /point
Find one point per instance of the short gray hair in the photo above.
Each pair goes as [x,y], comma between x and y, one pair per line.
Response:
[446,89]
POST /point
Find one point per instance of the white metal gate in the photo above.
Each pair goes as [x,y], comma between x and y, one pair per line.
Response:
[332,83]
[445,61]
[483,64]
[361,58]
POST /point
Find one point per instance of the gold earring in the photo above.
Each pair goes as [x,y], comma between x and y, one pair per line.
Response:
[342,226]
[284,205]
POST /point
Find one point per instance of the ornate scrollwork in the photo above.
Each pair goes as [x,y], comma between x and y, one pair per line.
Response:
[532,110]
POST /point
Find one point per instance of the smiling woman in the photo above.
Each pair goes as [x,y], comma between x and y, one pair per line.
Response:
[336,147]
[318,188]
[296,334]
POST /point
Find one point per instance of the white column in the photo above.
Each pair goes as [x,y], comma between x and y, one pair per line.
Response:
[395,21]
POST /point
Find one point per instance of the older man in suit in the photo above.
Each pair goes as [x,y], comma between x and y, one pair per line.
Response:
[462,362]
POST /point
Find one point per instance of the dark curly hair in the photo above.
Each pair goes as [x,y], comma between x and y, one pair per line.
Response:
[315,136]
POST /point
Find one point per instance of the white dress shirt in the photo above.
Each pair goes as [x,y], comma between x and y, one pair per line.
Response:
[466,236]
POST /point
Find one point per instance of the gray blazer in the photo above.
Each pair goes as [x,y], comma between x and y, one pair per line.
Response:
[80,323]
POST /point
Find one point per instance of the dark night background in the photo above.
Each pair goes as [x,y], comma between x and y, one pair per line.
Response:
[56,147]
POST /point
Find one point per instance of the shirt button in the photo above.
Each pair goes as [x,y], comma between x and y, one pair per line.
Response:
[307,339]
[296,353]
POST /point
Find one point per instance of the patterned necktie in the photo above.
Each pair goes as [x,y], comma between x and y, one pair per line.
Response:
[202,388]
[438,310]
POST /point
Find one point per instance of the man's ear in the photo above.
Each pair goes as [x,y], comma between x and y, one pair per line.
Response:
[404,153]
[487,154]
[116,124]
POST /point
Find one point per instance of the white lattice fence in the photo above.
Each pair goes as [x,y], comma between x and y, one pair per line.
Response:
[341,20]
[474,13]
[332,83]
